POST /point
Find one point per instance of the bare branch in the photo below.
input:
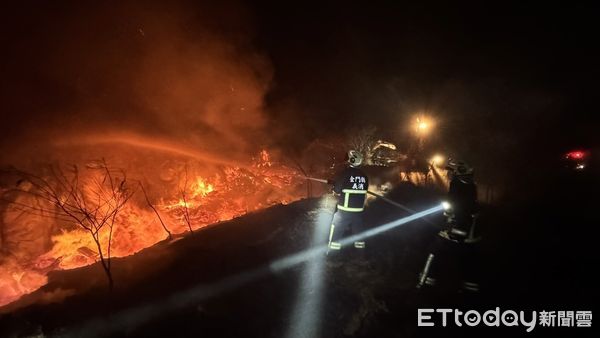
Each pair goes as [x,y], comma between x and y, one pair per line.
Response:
[91,202]
[155,211]
[186,212]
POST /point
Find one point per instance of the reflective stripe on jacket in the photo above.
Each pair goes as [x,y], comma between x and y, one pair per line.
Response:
[351,185]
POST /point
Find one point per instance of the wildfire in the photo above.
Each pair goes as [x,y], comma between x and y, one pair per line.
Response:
[219,196]
[201,188]
[264,159]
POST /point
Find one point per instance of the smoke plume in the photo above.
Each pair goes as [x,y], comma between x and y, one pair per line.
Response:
[175,73]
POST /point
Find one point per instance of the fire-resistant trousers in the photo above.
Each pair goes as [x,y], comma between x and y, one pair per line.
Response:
[345,224]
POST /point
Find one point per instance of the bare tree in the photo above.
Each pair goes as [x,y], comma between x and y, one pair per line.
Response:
[363,140]
[184,203]
[155,211]
[91,199]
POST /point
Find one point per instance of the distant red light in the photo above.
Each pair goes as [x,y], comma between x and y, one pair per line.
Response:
[575,155]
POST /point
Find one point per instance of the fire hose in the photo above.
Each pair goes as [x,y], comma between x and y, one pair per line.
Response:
[383,198]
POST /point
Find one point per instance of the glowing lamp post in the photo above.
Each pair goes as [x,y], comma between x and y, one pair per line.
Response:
[422,128]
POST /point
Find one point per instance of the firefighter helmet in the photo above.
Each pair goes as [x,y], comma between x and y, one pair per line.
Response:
[355,158]
[459,168]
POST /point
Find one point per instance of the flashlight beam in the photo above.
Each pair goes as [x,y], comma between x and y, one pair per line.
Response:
[136,316]
[389,226]
[303,256]
[396,204]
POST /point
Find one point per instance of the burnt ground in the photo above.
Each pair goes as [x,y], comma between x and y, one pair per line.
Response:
[538,253]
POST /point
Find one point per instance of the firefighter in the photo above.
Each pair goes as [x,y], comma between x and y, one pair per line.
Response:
[452,255]
[350,187]
[462,197]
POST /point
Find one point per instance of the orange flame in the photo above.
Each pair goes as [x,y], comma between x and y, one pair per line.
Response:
[225,195]
[201,188]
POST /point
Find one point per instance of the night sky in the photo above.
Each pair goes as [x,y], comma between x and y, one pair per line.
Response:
[501,79]
[487,68]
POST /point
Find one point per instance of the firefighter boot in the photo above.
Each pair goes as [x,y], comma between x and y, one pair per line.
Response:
[359,253]
[470,286]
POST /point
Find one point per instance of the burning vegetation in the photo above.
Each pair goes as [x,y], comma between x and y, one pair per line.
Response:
[64,217]
[150,132]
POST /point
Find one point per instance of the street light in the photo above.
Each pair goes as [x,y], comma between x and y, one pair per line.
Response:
[422,126]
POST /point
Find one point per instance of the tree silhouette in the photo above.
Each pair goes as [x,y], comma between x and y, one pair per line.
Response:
[91,198]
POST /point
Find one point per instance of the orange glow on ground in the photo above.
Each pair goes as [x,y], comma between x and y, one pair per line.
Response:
[216,197]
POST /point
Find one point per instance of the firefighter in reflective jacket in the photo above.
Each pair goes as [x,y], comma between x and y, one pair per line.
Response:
[452,256]
[350,187]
